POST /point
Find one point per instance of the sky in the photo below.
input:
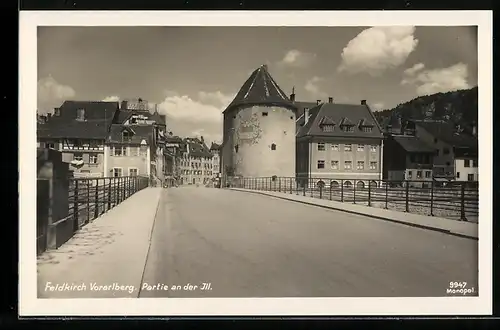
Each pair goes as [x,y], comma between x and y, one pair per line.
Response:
[193,73]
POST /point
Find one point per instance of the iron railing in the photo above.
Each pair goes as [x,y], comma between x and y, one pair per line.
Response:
[457,200]
[88,199]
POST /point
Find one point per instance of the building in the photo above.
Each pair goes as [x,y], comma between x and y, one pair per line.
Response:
[406,157]
[215,150]
[79,130]
[196,162]
[452,146]
[135,143]
[338,142]
[175,147]
[259,130]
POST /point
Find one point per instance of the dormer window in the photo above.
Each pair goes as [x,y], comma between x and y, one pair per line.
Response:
[327,128]
[126,136]
[346,125]
[80,114]
[57,112]
[326,124]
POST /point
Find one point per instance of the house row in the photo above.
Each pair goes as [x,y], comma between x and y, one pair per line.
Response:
[108,139]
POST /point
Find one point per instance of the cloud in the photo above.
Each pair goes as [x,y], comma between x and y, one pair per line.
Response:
[313,86]
[378,49]
[111,99]
[195,115]
[437,80]
[51,94]
[377,106]
[297,59]
[414,69]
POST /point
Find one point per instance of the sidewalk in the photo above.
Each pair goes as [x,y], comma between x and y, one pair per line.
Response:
[451,227]
[106,258]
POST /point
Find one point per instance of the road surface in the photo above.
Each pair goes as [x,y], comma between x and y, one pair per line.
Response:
[250,245]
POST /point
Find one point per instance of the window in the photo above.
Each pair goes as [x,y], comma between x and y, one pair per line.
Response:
[437,152]
[335,164]
[361,147]
[458,175]
[367,129]
[474,163]
[470,177]
[327,128]
[466,163]
[335,147]
[348,165]
[236,148]
[361,165]
[78,156]
[321,146]
[133,172]
[265,114]
[373,148]
[133,151]
[321,164]
[410,174]
[273,146]
[117,171]
[119,151]
[246,129]
[419,174]
[93,159]
[446,151]
[126,136]
[348,147]
[80,114]
[373,165]
[346,128]
[428,174]
[51,145]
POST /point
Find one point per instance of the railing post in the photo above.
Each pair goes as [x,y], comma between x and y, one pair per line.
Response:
[311,186]
[369,193]
[76,224]
[354,192]
[342,190]
[330,190]
[109,193]
[304,187]
[462,203]
[386,194]
[432,197]
[291,186]
[279,184]
[124,187]
[96,200]
[407,209]
[88,200]
[320,191]
[116,190]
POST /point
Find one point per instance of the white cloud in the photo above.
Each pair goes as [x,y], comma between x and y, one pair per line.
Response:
[377,106]
[414,69]
[296,58]
[437,80]
[195,116]
[111,99]
[377,49]
[52,94]
[313,86]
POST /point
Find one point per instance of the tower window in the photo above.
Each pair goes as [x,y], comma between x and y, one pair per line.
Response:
[236,148]
[273,146]
[264,114]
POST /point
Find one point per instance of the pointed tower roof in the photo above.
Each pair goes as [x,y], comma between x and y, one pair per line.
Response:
[261,89]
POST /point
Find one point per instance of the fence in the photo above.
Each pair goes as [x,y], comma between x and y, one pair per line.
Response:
[88,199]
[459,200]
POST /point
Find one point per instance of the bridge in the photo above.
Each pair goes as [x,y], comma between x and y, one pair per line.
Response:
[241,242]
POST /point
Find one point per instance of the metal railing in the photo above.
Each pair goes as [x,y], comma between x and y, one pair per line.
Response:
[88,198]
[456,200]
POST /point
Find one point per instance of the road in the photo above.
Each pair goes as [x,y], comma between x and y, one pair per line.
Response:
[250,245]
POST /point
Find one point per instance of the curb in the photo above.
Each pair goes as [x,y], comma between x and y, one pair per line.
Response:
[444,231]
[160,200]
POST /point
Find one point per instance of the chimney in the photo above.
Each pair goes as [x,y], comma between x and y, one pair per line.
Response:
[330,100]
[292,96]
[202,139]
[318,102]
[264,66]
[363,102]
[306,115]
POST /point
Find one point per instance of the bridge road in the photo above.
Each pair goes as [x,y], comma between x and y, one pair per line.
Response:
[249,245]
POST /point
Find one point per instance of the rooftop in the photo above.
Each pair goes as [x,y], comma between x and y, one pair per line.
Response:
[412,144]
[448,133]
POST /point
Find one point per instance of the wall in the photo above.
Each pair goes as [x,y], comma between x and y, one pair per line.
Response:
[196,170]
[335,151]
[141,161]
[441,159]
[462,172]
[250,136]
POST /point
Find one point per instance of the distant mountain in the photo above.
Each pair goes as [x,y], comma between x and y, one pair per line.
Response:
[459,107]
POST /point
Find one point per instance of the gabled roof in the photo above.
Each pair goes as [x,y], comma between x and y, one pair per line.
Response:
[326,121]
[342,114]
[140,132]
[447,133]
[123,115]
[346,122]
[98,117]
[412,144]
[261,89]
[215,146]
[197,148]
[366,123]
